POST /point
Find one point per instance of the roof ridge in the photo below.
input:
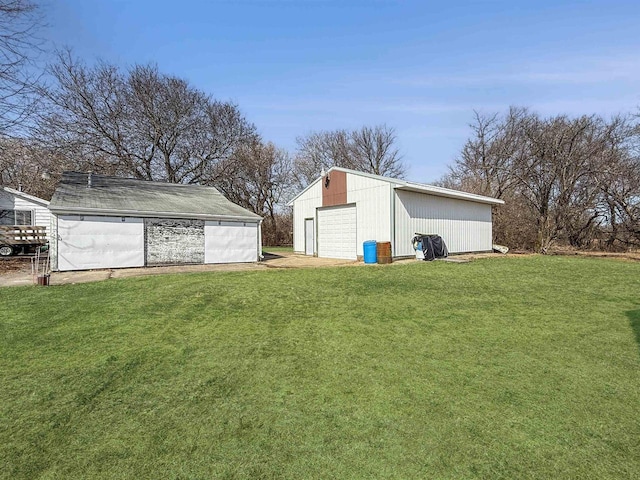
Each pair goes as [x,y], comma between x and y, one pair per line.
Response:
[69,173]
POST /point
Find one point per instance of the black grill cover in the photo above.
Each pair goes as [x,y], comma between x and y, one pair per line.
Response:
[433,246]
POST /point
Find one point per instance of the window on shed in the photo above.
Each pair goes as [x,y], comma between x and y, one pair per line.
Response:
[6,217]
[15,217]
[23,217]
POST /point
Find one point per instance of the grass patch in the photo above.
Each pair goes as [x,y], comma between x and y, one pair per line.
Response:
[502,368]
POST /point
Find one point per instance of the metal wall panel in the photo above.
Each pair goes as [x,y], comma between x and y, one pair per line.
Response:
[231,242]
[465,226]
[170,241]
[88,242]
[373,201]
[337,232]
[305,207]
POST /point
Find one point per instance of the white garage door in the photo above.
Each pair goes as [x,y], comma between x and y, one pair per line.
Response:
[91,242]
[337,232]
[230,242]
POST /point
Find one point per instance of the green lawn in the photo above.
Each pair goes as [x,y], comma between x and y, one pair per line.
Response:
[503,368]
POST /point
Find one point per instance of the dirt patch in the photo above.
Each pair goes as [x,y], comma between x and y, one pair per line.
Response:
[631,256]
[15,265]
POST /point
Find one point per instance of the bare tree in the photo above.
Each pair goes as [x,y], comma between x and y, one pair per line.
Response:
[321,150]
[142,122]
[620,183]
[368,149]
[19,47]
[565,180]
[374,150]
[486,162]
[261,181]
[26,166]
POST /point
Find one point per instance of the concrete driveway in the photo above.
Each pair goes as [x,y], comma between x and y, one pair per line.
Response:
[20,271]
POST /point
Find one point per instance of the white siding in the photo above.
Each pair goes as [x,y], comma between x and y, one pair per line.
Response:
[465,226]
[305,207]
[231,242]
[40,215]
[373,202]
[88,242]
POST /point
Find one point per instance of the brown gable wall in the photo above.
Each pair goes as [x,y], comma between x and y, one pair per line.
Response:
[334,189]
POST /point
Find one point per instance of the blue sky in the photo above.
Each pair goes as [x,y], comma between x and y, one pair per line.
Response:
[296,66]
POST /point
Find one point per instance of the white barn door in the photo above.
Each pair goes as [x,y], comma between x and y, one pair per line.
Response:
[337,232]
[230,242]
[88,242]
[309,237]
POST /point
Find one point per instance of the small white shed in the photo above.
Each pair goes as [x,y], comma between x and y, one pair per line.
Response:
[19,208]
[111,222]
[336,213]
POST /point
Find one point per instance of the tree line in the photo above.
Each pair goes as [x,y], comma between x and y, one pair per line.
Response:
[565,180]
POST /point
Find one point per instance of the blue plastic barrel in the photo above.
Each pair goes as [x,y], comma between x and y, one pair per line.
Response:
[369,248]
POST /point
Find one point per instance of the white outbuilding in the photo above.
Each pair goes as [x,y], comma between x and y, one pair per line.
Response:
[111,222]
[340,210]
[24,222]
[19,208]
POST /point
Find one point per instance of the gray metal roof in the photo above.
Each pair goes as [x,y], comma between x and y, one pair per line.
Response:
[131,197]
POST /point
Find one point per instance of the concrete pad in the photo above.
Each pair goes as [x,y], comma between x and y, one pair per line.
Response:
[295,260]
[16,279]
[85,276]
[453,260]
[62,278]
[230,267]
[281,260]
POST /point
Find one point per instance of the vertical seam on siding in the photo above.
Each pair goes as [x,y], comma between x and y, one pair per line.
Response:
[392,219]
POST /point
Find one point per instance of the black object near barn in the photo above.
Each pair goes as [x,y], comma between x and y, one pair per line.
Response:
[432,246]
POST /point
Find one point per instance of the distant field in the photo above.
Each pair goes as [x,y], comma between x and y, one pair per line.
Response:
[502,368]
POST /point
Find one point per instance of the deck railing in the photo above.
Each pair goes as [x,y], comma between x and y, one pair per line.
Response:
[23,235]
